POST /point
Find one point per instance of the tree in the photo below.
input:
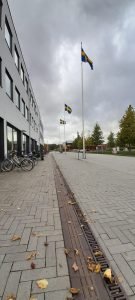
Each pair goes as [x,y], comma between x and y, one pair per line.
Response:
[111,140]
[97,135]
[88,142]
[127,128]
[77,143]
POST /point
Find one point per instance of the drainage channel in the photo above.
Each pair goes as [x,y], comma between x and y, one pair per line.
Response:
[78,236]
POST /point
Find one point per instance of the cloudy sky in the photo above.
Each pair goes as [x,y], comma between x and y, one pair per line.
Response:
[50,34]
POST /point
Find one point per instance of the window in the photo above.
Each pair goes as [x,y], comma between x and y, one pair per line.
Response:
[9,85]
[26,84]
[30,118]
[27,113]
[17,98]
[0,13]
[0,71]
[8,35]
[23,107]
[16,58]
[22,73]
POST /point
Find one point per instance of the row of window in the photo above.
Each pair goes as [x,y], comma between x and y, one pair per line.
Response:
[20,103]
[8,38]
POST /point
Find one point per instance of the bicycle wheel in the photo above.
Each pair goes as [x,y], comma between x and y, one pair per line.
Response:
[7,165]
[27,164]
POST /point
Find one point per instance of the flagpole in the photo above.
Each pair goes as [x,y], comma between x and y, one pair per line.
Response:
[64,129]
[59,138]
[84,156]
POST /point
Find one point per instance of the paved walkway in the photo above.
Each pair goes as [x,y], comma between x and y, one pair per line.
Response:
[104,186]
[29,209]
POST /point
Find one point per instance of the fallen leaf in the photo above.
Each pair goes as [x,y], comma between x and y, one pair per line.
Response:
[31,255]
[42,284]
[93,267]
[108,274]
[69,222]
[89,259]
[98,253]
[82,225]
[75,267]
[38,234]
[31,298]
[16,237]
[76,251]
[33,266]
[92,288]
[72,203]
[11,297]
[18,208]
[74,291]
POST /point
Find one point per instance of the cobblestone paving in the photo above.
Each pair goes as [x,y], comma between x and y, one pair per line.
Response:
[104,186]
[28,205]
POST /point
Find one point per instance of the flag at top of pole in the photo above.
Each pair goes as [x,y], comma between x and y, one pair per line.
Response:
[85,58]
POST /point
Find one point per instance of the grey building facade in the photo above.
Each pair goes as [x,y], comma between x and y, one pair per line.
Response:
[21,126]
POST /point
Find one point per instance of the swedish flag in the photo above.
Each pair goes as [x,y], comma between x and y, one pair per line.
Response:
[68,109]
[62,122]
[85,58]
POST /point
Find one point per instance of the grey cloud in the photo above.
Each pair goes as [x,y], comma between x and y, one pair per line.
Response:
[50,33]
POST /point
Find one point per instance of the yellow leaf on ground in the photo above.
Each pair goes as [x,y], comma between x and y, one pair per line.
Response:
[108,274]
[98,253]
[76,251]
[38,234]
[75,267]
[72,203]
[74,291]
[16,237]
[93,267]
[11,297]
[31,255]
[42,284]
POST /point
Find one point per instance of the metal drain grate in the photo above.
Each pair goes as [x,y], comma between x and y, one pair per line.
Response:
[115,290]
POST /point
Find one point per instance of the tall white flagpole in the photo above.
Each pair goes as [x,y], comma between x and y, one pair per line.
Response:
[84,156]
[64,129]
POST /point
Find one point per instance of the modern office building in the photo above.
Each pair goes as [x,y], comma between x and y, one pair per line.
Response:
[21,127]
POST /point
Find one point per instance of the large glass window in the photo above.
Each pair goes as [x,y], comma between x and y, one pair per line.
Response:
[23,107]
[22,73]
[8,35]
[0,13]
[24,143]
[0,71]
[9,85]
[11,139]
[27,113]
[16,58]
[17,98]
[26,84]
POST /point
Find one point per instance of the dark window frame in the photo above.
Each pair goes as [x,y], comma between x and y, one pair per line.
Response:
[23,107]
[16,90]
[17,54]
[10,34]
[22,72]
[27,114]
[11,80]
[27,85]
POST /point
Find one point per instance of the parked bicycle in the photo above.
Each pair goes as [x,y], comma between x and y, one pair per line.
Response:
[9,164]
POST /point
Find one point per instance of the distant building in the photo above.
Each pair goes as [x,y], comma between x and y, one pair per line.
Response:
[21,127]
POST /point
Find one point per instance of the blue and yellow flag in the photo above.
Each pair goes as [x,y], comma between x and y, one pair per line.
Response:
[68,109]
[85,58]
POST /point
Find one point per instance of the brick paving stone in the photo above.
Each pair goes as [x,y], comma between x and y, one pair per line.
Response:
[38,274]
[13,249]
[62,269]
[12,284]
[24,290]
[4,274]
[50,255]
[59,244]
[60,295]
[25,236]
[26,265]
[38,296]
[54,284]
